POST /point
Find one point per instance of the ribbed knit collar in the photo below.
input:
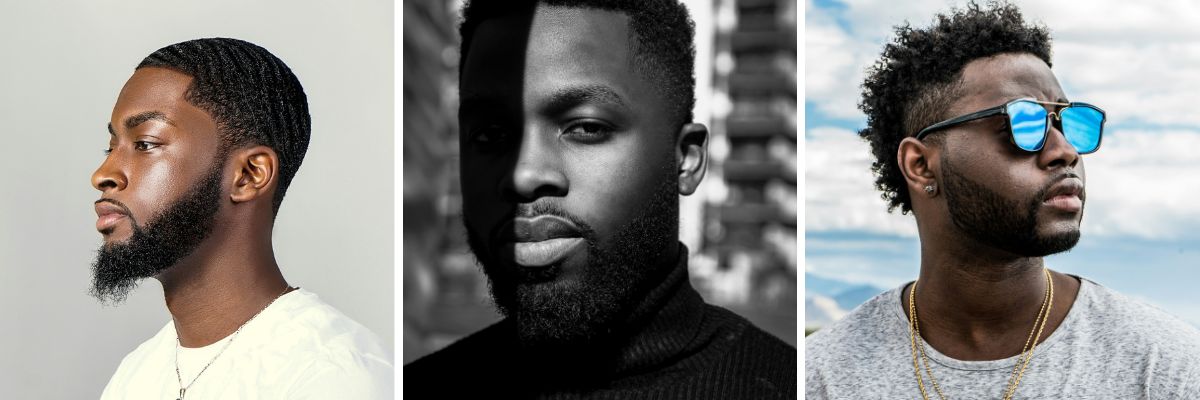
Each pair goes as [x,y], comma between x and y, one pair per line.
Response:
[665,326]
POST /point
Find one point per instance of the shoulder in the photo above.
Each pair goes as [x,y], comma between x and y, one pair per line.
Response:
[484,345]
[484,358]
[748,339]
[1140,339]
[150,355]
[328,352]
[310,324]
[1137,323]
[856,331]
[765,364]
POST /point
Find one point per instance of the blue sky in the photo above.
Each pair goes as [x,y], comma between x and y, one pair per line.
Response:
[1141,230]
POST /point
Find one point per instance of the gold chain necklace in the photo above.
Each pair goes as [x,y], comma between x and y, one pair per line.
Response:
[1014,379]
[179,377]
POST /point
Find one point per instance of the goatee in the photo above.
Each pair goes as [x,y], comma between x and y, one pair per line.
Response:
[989,217]
[165,239]
[619,272]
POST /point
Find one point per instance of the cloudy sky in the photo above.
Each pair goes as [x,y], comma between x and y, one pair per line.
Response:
[1140,63]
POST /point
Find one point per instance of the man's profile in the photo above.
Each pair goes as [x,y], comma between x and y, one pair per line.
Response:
[973,134]
[204,140]
[576,139]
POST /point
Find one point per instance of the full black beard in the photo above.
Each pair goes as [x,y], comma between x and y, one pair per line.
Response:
[988,217]
[166,239]
[558,315]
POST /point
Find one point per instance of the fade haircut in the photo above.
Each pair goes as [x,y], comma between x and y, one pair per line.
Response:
[660,33]
[252,96]
[919,75]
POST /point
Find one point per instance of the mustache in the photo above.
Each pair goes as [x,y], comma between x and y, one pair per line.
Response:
[118,203]
[531,210]
[537,209]
[1065,175]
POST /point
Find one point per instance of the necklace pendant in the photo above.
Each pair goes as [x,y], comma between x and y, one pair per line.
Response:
[181,392]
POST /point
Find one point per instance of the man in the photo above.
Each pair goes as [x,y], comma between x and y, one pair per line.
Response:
[204,139]
[973,134]
[576,139]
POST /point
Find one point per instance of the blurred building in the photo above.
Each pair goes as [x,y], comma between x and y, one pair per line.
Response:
[445,294]
[750,225]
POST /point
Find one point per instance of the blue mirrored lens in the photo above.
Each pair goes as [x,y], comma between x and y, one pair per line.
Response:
[1028,122]
[1082,126]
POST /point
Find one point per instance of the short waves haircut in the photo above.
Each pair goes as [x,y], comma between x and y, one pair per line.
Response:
[253,97]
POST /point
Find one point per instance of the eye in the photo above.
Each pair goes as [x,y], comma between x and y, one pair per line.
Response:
[143,145]
[107,151]
[589,131]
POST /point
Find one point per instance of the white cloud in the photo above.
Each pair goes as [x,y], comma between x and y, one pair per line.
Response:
[863,269]
[839,190]
[1144,184]
[834,66]
[1118,55]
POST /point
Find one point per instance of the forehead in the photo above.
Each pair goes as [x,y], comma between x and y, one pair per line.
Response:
[552,47]
[154,88]
[161,90]
[995,80]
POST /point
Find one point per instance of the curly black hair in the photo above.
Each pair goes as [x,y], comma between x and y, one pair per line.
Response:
[919,73]
[661,29]
[253,97]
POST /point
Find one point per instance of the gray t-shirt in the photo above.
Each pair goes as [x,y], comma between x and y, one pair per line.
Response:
[1108,347]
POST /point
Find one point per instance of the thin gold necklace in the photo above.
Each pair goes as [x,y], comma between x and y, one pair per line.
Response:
[918,346]
[178,376]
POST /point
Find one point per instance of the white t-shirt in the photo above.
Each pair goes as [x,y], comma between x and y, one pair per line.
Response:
[299,347]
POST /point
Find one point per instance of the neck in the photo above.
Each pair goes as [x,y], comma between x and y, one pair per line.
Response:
[220,286]
[979,303]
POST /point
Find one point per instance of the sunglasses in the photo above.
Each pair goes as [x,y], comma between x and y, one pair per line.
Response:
[1029,122]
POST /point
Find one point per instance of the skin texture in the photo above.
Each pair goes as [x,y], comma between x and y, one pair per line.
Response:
[555,120]
[978,295]
[232,274]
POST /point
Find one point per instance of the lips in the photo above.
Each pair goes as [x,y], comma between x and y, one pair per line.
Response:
[1065,195]
[540,241]
[108,214]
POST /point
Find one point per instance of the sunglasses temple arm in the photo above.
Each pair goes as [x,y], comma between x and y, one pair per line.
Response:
[961,119]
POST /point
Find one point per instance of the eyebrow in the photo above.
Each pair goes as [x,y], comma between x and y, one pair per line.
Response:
[556,103]
[566,99]
[137,119]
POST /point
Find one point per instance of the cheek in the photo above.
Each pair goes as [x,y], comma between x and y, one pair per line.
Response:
[155,184]
[482,206]
[610,187]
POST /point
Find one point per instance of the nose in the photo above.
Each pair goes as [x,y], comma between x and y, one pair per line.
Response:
[538,170]
[109,176]
[1057,151]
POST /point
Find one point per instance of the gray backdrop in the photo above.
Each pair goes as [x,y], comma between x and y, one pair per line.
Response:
[61,66]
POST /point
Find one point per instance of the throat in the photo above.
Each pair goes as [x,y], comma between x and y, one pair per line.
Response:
[990,322]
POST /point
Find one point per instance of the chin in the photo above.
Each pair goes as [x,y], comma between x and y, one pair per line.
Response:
[1054,243]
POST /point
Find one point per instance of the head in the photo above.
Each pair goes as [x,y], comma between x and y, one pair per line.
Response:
[985,189]
[206,132]
[575,141]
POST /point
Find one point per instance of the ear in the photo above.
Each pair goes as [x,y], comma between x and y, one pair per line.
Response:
[691,156]
[918,161]
[256,174]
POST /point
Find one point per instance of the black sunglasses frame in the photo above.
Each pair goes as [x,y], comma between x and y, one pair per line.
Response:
[1003,110]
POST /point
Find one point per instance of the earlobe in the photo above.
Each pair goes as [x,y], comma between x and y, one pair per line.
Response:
[258,168]
[917,163]
[691,156]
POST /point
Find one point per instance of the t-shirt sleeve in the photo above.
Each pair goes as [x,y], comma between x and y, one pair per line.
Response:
[364,378]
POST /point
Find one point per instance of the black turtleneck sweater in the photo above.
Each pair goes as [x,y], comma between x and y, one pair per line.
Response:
[673,346]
